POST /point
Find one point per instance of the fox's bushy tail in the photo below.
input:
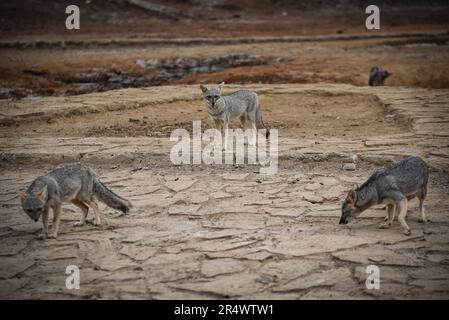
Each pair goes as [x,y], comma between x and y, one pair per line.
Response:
[260,124]
[110,198]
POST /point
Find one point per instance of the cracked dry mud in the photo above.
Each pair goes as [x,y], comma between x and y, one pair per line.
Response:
[202,232]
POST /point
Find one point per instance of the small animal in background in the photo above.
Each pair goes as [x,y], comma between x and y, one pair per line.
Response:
[392,186]
[77,184]
[377,76]
[243,104]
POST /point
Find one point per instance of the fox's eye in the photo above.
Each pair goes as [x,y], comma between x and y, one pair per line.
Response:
[29,210]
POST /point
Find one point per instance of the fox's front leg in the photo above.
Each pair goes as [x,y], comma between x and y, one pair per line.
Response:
[225,134]
[218,126]
[391,209]
[45,214]
[56,220]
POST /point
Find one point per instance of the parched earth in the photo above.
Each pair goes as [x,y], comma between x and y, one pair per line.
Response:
[204,232]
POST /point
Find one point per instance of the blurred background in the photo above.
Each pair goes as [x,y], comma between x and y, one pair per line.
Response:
[136,43]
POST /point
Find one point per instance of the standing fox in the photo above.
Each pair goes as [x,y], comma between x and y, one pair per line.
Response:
[77,184]
[243,104]
[392,186]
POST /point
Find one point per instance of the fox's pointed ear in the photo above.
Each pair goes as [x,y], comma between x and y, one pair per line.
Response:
[352,196]
[203,88]
[22,196]
[220,86]
[42,193]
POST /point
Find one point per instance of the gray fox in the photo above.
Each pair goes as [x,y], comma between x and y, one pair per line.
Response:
[243,104]
[77,184]
[377,76]
[392,186]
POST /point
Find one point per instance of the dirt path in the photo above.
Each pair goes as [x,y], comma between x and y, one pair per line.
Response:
[227,232]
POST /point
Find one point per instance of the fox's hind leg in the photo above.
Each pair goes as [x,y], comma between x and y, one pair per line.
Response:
[387,217]
[84,209]
[251,124]
[402,205]
[253,135]
[421,198]
[391,209]
[423,218]
[242,119]
[94,205]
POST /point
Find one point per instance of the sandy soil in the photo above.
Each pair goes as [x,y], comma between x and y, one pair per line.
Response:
[31,19]
[224,231]
[416,62]
[205,232]
[315,114]
[39,57]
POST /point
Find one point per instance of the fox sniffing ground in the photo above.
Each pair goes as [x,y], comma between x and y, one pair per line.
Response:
[243,104]
[77,184]
[392,186]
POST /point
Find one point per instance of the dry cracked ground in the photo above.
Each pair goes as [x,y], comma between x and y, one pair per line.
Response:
[204,232]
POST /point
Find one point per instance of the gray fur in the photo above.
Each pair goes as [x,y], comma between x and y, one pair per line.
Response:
[110,198]
[73,183]
[392,186]
[242,104]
